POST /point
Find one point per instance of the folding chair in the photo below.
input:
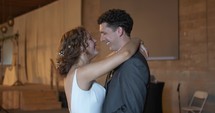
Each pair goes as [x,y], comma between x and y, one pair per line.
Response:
[197,102]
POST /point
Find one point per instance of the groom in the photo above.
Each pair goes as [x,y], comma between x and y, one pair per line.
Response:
[127,89]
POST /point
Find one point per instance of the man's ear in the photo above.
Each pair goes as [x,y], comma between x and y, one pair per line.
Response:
[120,31]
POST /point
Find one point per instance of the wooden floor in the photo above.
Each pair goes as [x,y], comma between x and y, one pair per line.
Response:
[25,88]
[64,110]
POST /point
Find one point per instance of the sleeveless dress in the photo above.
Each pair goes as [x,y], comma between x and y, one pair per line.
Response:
[89,101]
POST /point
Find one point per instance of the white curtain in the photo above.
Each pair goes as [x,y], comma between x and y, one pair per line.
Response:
[39,35]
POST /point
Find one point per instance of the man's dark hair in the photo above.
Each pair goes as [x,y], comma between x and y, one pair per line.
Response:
[117,18]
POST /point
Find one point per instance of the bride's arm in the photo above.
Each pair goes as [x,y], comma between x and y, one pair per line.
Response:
[94,70]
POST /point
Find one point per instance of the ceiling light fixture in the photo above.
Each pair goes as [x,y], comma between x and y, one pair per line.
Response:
[10,22]
[3,29]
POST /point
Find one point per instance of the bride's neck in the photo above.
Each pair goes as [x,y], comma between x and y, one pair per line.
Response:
[83,60]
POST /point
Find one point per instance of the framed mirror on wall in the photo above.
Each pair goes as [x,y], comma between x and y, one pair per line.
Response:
[7,52]
[155,22]
[0,53]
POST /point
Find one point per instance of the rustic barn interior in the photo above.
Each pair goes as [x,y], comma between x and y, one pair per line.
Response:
[31,30]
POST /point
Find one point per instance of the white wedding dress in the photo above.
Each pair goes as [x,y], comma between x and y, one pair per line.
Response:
[89,101]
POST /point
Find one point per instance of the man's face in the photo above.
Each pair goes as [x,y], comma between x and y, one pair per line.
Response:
[109,36]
